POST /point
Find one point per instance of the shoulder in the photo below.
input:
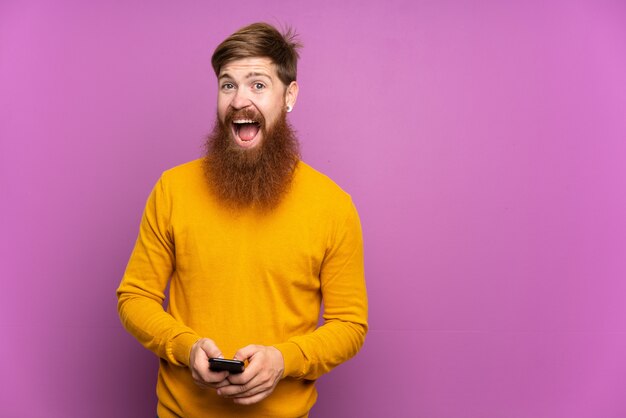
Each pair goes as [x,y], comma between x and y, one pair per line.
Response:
[319,190]
[190,174]
[324,205]
[308,177]
[188,169]
[183,183]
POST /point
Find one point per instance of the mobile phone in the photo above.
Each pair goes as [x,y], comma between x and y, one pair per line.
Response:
[224,364]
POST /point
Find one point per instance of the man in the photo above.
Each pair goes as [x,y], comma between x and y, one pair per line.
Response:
[250,240]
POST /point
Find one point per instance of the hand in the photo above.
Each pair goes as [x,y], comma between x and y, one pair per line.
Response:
[264,371]
[199,364]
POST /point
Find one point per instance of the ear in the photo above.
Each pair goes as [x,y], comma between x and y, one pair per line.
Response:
[291,95]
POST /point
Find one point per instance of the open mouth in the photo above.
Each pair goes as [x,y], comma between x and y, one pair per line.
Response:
[246,129]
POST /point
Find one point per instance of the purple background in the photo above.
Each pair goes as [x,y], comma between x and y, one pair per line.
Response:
[484,144]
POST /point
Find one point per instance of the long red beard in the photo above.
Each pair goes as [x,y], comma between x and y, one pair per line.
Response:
[257,177]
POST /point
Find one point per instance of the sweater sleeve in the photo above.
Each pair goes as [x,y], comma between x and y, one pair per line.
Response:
[345,308]
[142,290]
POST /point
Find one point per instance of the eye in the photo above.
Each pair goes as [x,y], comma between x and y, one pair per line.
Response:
[258,86]
[228,86]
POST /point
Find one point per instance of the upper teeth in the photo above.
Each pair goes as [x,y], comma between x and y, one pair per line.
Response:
[244,121]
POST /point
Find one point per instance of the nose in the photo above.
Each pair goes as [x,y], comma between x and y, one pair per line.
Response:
[240,100]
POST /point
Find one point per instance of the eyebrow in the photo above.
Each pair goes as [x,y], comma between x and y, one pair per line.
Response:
[251,74]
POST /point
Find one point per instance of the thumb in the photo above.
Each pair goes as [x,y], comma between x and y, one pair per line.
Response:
[246,352]
[210,348]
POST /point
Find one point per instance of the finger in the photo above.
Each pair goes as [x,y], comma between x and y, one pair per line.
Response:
[202,373]
[245,377]
[210,348]
[231,390]
[212,385]
[199,365]
[200,381]
[218,385]
[252,399]
[246,352]
[251,388]
[253,368]
[216,377]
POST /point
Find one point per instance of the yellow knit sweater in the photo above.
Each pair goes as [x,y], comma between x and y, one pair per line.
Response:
[245,277]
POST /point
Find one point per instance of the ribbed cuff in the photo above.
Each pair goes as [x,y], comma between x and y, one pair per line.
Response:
[293,358]
[181,348]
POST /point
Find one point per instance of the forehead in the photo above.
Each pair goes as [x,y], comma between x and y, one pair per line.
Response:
[245,66]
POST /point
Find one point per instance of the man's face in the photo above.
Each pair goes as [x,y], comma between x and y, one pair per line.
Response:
[251,98]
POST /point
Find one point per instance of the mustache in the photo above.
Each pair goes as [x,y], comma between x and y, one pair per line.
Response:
[245,113]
